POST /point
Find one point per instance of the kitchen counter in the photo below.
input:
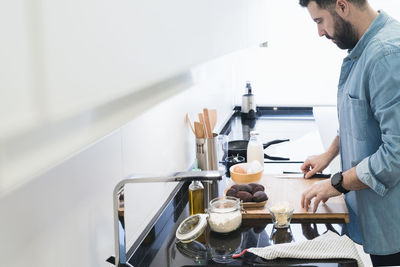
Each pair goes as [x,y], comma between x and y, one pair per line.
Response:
[157,246]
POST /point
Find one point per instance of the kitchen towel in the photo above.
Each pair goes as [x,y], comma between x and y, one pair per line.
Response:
[327,246]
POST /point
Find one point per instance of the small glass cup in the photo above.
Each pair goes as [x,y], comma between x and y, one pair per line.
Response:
[281,214]
[223,247]
[281,235]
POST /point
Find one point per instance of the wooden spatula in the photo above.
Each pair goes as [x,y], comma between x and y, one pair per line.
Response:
[207,123]
[213,118]
[201,118]
[199,129]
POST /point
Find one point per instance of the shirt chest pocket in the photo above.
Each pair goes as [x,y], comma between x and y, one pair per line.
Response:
[354,117]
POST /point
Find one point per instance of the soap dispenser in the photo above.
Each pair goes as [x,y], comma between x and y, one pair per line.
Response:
[248,109]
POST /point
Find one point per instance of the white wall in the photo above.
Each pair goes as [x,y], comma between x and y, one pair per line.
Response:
[298,68]
[73,71]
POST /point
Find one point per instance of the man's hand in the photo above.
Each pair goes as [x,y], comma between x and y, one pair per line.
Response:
[315,164]
[321,191]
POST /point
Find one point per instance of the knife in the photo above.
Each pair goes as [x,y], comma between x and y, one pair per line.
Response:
[287,174]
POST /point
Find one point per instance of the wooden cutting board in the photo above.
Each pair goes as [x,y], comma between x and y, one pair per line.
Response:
[290,190]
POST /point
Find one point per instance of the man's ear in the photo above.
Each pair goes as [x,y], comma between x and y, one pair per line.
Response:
[342,8]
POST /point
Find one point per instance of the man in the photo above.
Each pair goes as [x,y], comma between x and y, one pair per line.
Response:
[369,125]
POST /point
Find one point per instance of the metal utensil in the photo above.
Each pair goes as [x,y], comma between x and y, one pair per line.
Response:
[301,175]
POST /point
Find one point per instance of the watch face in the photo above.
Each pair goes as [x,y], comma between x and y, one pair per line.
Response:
[336,179]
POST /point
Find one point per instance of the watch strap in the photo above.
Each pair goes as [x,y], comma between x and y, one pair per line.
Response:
[337,184]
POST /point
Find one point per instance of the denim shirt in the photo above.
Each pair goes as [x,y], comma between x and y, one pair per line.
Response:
[369,134]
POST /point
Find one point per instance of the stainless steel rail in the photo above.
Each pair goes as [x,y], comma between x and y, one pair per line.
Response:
[119,204]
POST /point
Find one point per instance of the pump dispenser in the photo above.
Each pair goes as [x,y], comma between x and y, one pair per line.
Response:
[248,109]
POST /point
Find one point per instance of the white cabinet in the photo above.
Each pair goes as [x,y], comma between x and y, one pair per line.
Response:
[18,104]
[70,56]
[99,51]
[66,57]
[74,71]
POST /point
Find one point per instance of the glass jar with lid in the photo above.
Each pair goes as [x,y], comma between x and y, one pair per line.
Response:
[224,214]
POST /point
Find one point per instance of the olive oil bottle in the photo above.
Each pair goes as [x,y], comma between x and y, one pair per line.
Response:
[196,197]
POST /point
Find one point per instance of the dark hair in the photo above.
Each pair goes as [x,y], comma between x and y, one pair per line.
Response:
[327,4]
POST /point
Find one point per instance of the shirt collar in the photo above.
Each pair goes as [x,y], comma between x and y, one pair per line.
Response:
[372,30]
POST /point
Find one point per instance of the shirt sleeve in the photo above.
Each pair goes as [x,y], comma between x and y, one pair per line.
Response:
[381,170]
[364,174]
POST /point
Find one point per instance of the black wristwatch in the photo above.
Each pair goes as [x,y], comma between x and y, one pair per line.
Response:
[336,181]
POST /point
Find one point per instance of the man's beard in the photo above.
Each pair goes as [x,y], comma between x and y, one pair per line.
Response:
[345,35]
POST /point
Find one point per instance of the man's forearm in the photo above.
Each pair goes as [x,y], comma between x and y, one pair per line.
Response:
[351,181]
[333,149]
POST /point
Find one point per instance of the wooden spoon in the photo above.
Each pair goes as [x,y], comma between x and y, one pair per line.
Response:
[190,123]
